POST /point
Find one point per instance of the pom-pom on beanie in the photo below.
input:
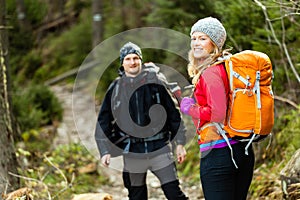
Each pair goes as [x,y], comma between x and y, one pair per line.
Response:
[213,28]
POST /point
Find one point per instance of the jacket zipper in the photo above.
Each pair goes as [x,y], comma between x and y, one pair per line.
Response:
[137,106]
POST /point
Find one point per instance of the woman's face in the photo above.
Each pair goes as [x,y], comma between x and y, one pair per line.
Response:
[201,45]
[132,65]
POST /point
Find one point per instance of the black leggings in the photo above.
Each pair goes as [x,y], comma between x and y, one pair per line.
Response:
[219,177]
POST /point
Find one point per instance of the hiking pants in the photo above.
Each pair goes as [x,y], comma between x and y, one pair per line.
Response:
[219,177]
[162,166]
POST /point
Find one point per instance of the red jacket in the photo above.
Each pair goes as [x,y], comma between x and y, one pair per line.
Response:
[211,94]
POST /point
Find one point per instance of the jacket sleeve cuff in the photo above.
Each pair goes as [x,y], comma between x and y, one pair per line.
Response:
[194,111]
[178,142]
[103,148]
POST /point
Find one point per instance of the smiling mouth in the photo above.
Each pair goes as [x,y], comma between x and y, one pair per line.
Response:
[198,49]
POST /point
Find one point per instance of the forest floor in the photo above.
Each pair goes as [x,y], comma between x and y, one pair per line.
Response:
[79,128]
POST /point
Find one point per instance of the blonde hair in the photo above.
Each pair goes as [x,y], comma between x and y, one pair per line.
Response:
[195,70]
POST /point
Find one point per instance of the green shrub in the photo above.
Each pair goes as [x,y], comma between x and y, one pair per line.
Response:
[59,172]
[36,106]
[27,66]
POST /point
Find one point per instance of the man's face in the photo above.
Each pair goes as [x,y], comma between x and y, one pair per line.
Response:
[132,65]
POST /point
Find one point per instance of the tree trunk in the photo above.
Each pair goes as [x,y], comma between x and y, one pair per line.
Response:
[290,177]
[22,18]
[8,161]
[97,22]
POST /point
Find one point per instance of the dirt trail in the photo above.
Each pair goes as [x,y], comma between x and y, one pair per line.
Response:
[77,126]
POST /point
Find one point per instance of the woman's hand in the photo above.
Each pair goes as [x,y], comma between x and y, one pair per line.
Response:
[186,104]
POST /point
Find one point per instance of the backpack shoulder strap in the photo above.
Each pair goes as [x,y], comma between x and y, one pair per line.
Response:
[158,77]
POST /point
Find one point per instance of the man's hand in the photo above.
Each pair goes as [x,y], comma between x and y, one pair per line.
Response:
[105,160]
[181,153]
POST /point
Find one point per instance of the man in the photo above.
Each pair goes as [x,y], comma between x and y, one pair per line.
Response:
[140,111]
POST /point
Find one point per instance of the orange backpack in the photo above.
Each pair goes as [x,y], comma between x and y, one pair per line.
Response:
[250,112]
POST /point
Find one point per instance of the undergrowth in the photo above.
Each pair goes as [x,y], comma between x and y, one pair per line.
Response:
[58,173]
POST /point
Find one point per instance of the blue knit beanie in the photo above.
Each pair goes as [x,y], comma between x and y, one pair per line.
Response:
[213,28]
[129,48]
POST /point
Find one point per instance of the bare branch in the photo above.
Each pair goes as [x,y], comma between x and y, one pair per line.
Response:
[283,42]
[65,188]
[234,43]
[281,46]
[68,185]
[6,27]
[61,173]
[285,100]
[284,16]
[34,180]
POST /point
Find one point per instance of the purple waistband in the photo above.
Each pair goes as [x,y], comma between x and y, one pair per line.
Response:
[216,144]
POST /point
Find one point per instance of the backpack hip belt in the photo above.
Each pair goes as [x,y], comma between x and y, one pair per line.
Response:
[157,136]
[221,132]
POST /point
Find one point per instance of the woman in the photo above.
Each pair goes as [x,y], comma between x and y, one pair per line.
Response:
[225,171]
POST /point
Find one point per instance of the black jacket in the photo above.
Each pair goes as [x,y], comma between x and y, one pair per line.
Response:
[140,111]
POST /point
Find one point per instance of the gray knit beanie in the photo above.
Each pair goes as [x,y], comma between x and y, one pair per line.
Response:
[129,48]
[213,28]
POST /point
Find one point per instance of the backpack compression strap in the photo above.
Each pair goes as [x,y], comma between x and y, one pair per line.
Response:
[222,132]
[236,75]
